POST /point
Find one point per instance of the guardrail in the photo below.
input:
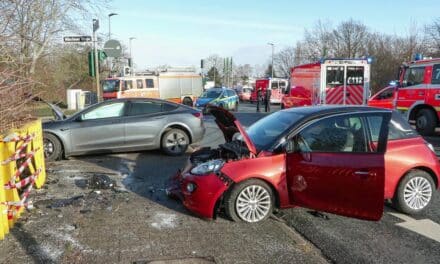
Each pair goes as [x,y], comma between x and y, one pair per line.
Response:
[21,169]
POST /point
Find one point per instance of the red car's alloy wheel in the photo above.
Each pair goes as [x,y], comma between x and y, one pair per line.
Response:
[253,203]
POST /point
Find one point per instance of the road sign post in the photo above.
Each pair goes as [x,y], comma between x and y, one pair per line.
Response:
[95,42]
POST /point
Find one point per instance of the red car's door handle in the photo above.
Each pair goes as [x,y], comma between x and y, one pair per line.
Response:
[364,174]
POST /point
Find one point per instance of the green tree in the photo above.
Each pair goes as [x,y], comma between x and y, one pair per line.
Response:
[214,75]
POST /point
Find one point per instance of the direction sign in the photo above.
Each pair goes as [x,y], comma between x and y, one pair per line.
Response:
[113,48]
[78,39]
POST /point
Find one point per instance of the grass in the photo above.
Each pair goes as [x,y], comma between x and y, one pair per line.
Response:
[44,110]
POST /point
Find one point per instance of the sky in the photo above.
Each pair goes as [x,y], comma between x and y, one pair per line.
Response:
[181,32]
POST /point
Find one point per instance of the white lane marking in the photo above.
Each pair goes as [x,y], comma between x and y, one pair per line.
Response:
[424,227]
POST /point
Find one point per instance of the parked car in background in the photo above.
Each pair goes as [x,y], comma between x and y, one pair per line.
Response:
[245,94]
[220,96]
[339,159]
[124,125]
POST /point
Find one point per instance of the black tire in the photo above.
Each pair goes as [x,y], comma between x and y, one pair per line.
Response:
[426,121]
[53,150]
[175,142]
[187,101]
[413,176]
[232,195]
[235,107]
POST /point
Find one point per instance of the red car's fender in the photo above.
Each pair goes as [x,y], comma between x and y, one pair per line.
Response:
[271,169]
[399,160]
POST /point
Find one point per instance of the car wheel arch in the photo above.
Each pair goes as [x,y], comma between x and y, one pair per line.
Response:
[220,200]
[421,168]
[177,126]
[417,108]
[63,144]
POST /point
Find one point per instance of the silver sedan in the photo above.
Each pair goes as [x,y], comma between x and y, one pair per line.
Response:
[123,125]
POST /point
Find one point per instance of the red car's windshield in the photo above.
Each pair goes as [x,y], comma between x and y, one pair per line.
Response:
[267,130]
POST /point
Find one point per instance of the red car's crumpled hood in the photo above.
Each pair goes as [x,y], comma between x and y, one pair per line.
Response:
[229,125]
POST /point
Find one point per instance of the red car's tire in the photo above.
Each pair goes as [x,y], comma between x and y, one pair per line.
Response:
[414,193]
[250,201]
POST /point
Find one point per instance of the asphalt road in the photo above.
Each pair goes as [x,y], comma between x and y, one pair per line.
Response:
[396,238]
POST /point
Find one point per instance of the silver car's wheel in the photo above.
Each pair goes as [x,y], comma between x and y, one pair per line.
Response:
[48,147]
[175,142]
[52,147]
[417,193]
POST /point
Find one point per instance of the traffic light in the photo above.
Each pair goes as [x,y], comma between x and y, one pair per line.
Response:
[91,58]
[202,62]
[130,62]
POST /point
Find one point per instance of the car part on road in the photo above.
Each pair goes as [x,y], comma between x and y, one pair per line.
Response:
[415,192]
[175,142]
[52,147]
[250,201]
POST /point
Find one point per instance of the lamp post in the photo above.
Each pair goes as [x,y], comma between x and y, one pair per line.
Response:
[131,58]
[130,39]
[271,44]
[110,66]
[109,24]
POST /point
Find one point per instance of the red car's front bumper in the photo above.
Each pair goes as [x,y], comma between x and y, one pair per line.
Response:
[202,200]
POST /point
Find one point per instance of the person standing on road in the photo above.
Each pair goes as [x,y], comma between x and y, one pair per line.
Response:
[259,95]
[267,100]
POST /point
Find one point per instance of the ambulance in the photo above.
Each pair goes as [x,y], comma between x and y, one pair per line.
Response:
[180,85]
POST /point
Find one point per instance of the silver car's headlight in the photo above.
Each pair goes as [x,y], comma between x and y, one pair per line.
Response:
[207,167]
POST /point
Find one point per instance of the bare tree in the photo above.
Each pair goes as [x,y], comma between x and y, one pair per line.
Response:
[349,39]
[318,42]
[242,73]
[33,25]
[284,60]
[432,33]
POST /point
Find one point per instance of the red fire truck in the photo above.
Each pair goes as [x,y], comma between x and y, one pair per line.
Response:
[416,94]
[277,85]
[329,81]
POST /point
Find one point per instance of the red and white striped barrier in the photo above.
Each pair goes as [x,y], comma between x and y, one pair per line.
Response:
[18,155]
[24,182]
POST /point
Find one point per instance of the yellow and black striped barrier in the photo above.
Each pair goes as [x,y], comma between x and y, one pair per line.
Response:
[21,169]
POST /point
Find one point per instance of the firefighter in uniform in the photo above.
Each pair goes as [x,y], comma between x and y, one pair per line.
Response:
[259,95]
[267,100]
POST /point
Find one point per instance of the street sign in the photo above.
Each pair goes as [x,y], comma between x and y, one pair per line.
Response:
[78,39]
[113,48]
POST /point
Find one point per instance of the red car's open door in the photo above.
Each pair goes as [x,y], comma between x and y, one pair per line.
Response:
[333,167]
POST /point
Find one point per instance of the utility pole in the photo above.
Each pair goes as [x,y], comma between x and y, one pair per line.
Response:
[95,50]
[110,66]
[131,57]
[271,44]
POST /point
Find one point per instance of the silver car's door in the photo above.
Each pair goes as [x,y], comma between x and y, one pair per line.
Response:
[144,122]
[100,129]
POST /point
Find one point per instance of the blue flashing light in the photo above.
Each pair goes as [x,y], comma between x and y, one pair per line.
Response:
[418,56]
[369,60]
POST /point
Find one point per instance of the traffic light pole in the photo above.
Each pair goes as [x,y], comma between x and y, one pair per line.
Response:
[95,50]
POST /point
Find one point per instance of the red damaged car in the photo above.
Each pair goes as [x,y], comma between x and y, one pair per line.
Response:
[337,159]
